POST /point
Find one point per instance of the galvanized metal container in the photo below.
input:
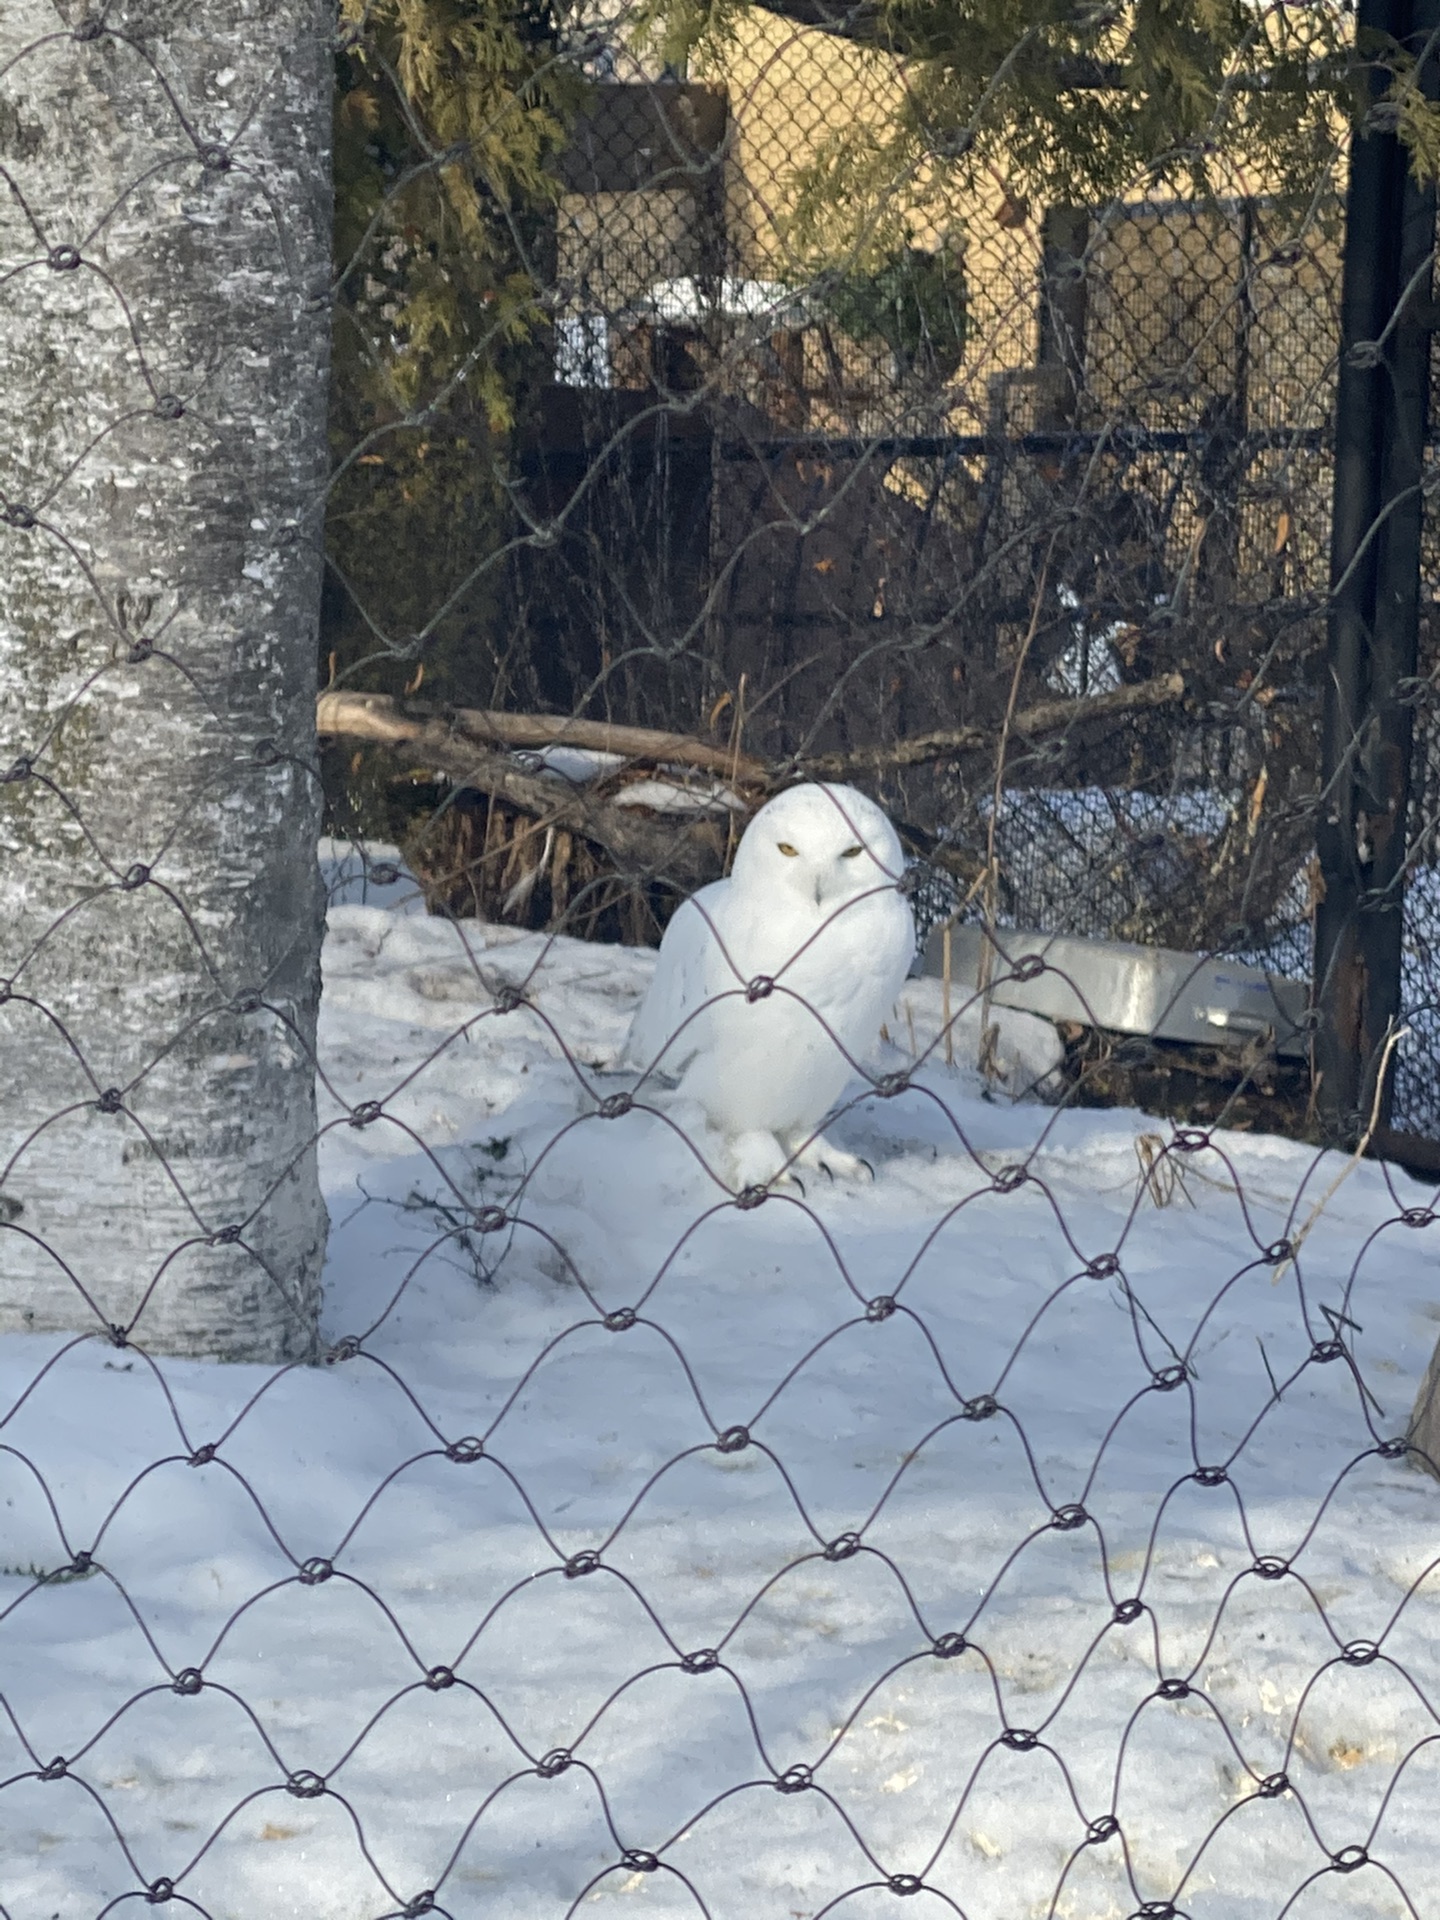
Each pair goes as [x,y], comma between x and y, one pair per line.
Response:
[1129,989]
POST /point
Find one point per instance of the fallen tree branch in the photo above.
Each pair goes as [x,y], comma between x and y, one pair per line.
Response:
[1051,716]
[375,716]
[639,846]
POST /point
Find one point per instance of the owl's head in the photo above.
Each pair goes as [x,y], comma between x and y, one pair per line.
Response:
[826,843]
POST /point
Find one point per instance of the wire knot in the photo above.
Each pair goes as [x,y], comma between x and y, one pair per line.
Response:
[159,1891]
[880,1308]
[639,1861]
[215,158]
[423,1902]
[110,1101]
[366,1113]
[843,1547]
[903,1883]
[760,988]
[733,1440]
[1019,1739]
[554,1763]
[1066,1519]
[170,407]
[465,1451]
[949,1646]
[1210,1476]
[188,1681]
[226,1236]
[621,1320]
[983,1407]
[63,259]
[1167,1379]
[1269,1566]
[56,1770]
[1101,1830]
[702,1660]
[315,1572]
[490,1219]
[305,1784]
[615,1106]
[202,1456]
[1359,1653]
[579,1564]
[1103,1266]
[1009,1179]
[439,1678]
[17,516]
[796,1779]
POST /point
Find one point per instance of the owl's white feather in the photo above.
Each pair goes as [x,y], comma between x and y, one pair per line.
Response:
[811,905]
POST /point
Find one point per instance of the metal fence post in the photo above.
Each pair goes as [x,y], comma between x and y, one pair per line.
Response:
[1380,429]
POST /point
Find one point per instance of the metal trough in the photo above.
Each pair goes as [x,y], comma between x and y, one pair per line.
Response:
[1129,989]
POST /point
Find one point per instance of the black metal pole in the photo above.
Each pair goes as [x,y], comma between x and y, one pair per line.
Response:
[1380,427]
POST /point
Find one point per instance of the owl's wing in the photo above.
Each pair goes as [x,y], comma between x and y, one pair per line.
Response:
[678,988]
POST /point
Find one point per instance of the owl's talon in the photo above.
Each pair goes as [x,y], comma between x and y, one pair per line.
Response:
[832,1161]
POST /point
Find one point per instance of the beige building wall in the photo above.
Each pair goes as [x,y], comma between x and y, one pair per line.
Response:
[791,91]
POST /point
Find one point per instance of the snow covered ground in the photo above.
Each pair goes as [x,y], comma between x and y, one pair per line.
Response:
[886,1493]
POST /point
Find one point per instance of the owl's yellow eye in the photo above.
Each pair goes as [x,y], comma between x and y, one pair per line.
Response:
[790,853]
[850,852]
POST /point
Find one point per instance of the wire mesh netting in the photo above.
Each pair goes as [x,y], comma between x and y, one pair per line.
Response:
[732,1431]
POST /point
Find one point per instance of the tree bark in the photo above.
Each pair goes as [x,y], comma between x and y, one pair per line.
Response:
[163,355]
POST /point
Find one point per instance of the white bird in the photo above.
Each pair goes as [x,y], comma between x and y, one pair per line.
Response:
[770,987]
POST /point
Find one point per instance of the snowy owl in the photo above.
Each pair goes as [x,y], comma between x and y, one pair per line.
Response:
[771,986]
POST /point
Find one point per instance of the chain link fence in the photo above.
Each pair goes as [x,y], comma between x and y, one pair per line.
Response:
[620,1522]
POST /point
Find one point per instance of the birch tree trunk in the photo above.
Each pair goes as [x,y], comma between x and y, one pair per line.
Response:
[164,250]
